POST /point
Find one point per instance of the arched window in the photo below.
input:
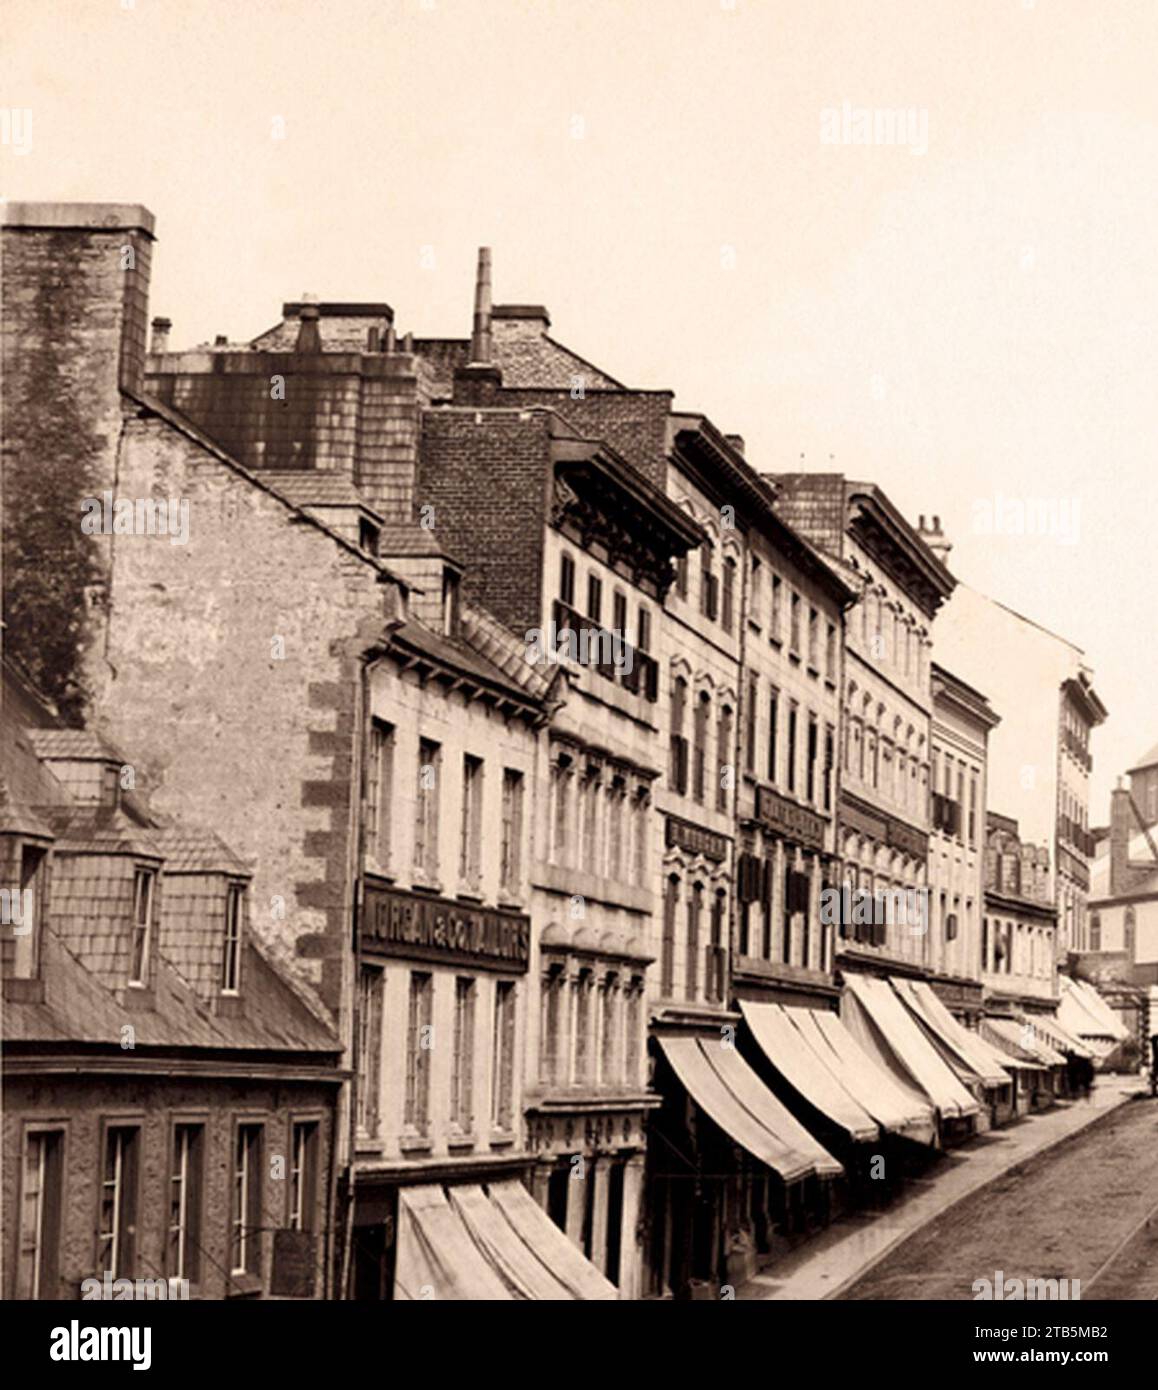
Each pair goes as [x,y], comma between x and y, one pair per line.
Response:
[695,907]
[700,744]
[728,604]
[667,946]
[724,754]
[678,762]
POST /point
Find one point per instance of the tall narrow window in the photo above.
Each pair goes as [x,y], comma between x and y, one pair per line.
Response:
[609,1057]
[581,1013]
[830,652]
[470,833]
[776,620]
[750,723]
[642,806]
[144,884]
[231,945]
[368,1061]
[303,1193]
[682,576]
[426,810]
[794,629]
[41,1190]
[183,1252]
[814,639]
[619,613]
[462,1058]
[678,762]
[503,1062]
[549,1053]
[812,751]
[695,907]
[511,870]
[667,946]
[727,612]
[419,1044]
[594,597]
[773,728]
[755,579]
[707,583]
[561,832]
[643,639]
[379,792]
[633,1029]
[792,718]
[700,745]
[567,580]
[248,1171]
[724,755]
[973,810]
[117,1237]
[829,756]
[615,845]
[450,608]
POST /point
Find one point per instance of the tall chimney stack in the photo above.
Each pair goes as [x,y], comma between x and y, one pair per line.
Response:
[478,380]
[480,338]
[161,327]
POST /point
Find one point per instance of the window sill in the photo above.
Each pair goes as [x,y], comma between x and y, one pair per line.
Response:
[776,642]
[367,1144]
[794,657]
[830,682]
[425,885]
[813,671]
[243,1284]
[461,1141]
[469,894]
[502,1138]
[415,1143]
[515,904]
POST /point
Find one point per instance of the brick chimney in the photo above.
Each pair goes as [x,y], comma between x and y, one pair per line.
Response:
[161,329]
[74,320]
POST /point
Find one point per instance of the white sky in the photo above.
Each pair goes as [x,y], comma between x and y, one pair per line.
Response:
[970,321]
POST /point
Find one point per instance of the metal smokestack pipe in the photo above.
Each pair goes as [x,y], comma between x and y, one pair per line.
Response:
[480,338]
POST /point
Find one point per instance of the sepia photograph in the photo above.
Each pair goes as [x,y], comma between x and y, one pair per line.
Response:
[577,719]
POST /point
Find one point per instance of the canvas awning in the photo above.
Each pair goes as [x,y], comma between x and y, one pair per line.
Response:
[1029,1036]
[880,1023]
[892,1103]
[1051,1032]
[781,1042]
[1091,1015]
[730,1093]
[567,1262]
[920,996]
[1011,1038]
[467,1243]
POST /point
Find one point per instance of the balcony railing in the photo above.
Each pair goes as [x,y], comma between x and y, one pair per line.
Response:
[636,671]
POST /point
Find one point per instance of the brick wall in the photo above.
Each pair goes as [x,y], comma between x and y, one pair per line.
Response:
[74,290]
[634,423]
[487,475]
[80,1105]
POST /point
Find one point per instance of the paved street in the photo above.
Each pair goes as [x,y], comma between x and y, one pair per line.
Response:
[1086,1209]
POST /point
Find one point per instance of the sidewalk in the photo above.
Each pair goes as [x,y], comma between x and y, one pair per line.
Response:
[837,1258]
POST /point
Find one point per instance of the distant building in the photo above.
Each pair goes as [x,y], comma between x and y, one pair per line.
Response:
[1019,925]
[1039,755]
[886,761]
[1124,887]
[962,723]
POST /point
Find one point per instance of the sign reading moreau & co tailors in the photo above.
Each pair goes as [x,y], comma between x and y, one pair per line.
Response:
[421,927]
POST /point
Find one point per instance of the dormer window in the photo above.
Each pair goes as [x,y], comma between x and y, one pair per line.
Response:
[144,885]
[368,536]
[231,945]
[449,602]
[24,914]
[110,785]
